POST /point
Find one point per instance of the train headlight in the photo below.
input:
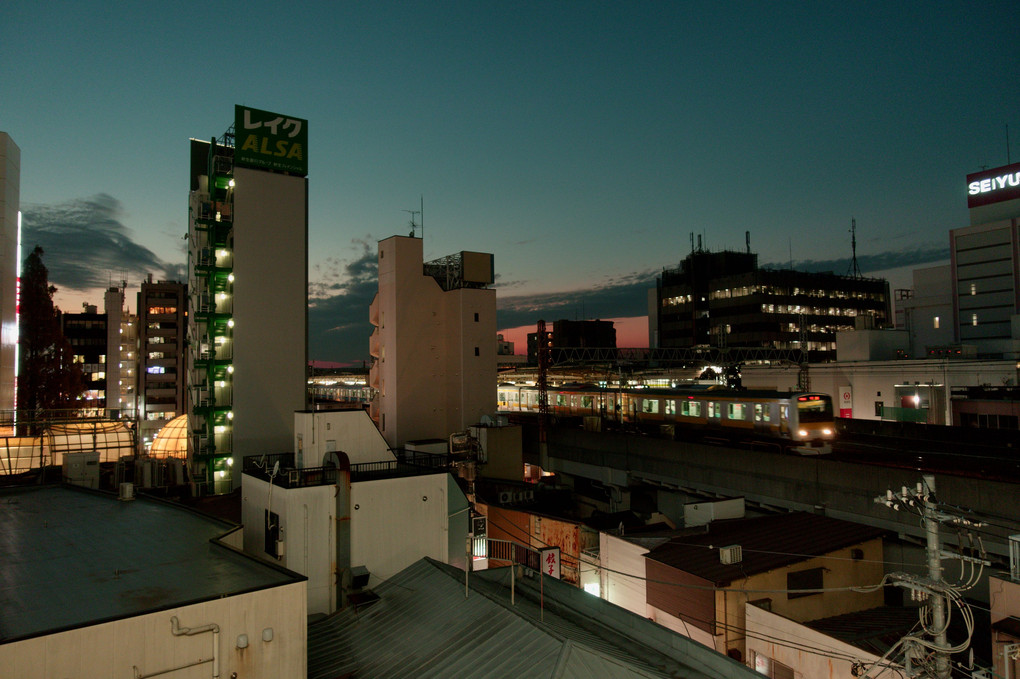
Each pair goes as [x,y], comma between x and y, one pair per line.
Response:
[827,432]
[802,433]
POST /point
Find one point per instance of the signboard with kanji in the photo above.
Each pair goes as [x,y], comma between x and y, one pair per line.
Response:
[550,559]
[270,141]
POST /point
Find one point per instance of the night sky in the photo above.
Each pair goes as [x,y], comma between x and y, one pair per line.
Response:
[580,143]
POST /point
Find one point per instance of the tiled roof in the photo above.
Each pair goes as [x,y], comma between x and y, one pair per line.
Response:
[766,542]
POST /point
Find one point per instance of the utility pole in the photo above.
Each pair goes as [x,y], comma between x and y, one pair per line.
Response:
[929,655]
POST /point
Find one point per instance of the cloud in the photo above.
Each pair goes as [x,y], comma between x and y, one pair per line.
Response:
[338,325]
[623,296]
[86,245]
[882,261]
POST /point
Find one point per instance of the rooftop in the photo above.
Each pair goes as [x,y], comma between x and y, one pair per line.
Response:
[424,626]
[74,557]
[767,543]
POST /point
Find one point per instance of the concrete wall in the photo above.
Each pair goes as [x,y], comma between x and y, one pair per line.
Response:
[145,645]
[617,558]
[395,522]
[317,433]
[306,518]
[842,490]
[814,654]
[503,452]
[10,196]
[270,303]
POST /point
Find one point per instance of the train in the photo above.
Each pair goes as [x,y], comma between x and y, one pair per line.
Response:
[800,421]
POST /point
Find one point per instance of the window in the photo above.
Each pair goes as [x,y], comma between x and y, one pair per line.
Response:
[670,407]
[735,411]
[650,405]
[973,319]
[878,408]
[935,323]
[476,317]
[476,351]
[801,580]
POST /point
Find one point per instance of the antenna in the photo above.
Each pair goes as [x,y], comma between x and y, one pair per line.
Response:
[413,225]
[421,224]
[854,270]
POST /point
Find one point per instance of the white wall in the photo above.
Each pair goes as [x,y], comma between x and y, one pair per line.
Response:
[10,192]
[306,528]
[395,522]
[270,304]
[618,556]
[350,431]
[145,642]
[780,639]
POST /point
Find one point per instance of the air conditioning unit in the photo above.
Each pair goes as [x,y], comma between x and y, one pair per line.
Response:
[505,497]
[518,497]
[730,554]
[127,491]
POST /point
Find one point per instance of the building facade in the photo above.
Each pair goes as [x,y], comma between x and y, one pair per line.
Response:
[10,265]
[434,365]
[162,327]
[726,299]
[247,292]
[87,334]
[573,335]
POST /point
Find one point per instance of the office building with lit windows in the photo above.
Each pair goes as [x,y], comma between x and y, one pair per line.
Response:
[725,299]
[247,293]
[985,264]
[161,328]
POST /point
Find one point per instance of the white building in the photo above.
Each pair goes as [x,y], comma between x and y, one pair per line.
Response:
[927,314]
[248,292]
[349,508]
[140,588]
[985,261]
[10,233]
[435,361]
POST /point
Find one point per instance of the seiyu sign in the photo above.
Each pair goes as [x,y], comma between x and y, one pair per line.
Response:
[270,141]
[993,186]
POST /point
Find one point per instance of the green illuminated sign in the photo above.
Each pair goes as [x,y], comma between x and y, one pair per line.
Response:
[270,141]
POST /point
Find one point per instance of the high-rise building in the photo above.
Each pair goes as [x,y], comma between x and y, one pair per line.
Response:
[573,335]
[726,299]
[985,263]
[86,333]
[10,227]
[162,327]
[434,365]
[247,292]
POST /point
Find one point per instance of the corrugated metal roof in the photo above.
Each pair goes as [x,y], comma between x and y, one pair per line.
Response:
[767,543]
[423,626]
[74,557]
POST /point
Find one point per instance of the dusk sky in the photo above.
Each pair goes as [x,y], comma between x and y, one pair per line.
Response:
[581,143]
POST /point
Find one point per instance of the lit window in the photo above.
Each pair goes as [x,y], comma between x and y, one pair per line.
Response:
[936,323]
[973,288]
[973,319]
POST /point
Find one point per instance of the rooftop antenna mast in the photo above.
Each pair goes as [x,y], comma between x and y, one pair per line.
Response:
[855,271]
[420,225]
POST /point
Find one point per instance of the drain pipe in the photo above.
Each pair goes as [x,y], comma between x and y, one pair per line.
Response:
[177,631]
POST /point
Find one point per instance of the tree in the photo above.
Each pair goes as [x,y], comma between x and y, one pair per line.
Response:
[48,378]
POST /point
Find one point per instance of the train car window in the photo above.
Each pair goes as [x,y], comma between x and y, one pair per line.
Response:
[757,412]
[690,408]
[714,409]
[735,411]
[670,407]
[650,405]
[586,401]
[560,400]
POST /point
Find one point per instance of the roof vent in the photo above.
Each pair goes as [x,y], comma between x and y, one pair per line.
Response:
[730,554]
